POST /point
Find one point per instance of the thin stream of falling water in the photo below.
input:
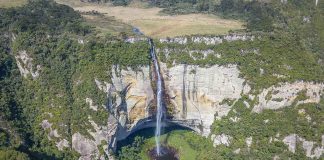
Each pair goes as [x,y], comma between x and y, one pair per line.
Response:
[159,97]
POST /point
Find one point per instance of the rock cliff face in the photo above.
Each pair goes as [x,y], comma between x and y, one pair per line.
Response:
[197,93]
[286,94]
[203,94]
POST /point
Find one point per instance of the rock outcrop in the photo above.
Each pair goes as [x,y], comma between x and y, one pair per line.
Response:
[293,140]
[85,147]
[213,40]
[221,139]
[197,92]
[286,94]
[25,65]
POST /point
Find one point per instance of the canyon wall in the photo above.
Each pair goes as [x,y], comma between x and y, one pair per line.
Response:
[203,94]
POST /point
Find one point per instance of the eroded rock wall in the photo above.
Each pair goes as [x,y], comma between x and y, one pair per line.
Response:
[197,92]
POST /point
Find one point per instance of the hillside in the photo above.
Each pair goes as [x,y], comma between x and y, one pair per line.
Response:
[76,81]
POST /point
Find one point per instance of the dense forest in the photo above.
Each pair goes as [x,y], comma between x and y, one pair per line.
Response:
[51,32]
[54,36]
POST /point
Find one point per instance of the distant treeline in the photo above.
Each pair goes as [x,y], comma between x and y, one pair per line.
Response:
[259,15]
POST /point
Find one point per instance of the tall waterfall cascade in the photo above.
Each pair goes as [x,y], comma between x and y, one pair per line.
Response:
[159,97]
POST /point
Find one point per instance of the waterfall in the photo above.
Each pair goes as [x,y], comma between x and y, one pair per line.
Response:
[159,98]
[316,2]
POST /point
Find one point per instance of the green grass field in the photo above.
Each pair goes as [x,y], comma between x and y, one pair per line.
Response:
[178,139]
[154,24]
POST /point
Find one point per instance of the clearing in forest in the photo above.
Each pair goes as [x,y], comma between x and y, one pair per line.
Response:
[152,23]
[11,3]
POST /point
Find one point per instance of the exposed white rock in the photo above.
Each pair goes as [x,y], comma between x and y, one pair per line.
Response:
[139,93]
[85,147]
[249,141]
[202,54]
[80,41]
[222,111]
[246,89]
[135,39]
[235,119]
[13,37]
[246,104]
[308,146]
[111,137]
[99,134]
[221,139]
[179,40]
[276,157]
[288,93]
[309,118]
[237,151]
[270,140]
[197,95]
[53,133]
[91,104]
[62,144]
[301,111]
[209,40]
[284,1]
[45,124]
[279,76]
[251,97]
[103,86]
[291,142]
[25,65]
[235,37]
[261,71]
[205,53]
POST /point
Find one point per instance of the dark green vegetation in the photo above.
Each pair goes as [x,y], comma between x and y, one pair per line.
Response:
[289,42]
[189,145]
[274,54]
[262,127]
[50,34]
[294,49]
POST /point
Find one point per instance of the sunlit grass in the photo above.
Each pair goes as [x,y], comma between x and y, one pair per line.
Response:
[11,3]
[154,24]
[174,139]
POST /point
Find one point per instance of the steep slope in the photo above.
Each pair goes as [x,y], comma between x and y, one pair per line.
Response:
[67,92]
[58,57]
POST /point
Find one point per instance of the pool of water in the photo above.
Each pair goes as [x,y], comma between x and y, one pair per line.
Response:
[147,133]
